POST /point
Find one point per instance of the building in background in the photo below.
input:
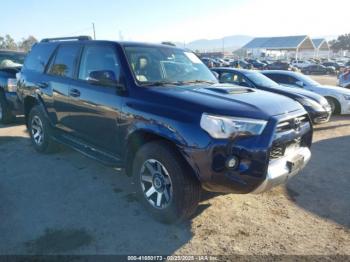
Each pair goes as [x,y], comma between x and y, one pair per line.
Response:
[296,47]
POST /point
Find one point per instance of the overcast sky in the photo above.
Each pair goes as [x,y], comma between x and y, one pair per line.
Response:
[177,20]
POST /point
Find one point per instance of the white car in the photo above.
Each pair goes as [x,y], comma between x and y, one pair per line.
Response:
[301,63]
[338,97]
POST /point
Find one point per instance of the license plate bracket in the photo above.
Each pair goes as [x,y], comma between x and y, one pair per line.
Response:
[296,163]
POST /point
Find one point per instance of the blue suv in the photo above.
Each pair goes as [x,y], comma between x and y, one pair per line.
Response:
[158,112]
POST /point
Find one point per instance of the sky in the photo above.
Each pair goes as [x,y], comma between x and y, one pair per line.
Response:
[176,20]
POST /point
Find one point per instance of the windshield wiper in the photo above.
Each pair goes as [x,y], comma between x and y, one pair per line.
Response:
[161,83]
[198,82]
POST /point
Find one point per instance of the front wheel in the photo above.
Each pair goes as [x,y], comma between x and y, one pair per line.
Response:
[334,106]
[165,184]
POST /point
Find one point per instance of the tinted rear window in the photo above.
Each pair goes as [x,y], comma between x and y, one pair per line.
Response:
[38,57]
[65,61]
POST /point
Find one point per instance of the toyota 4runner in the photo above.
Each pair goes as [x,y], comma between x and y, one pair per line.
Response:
[158,112]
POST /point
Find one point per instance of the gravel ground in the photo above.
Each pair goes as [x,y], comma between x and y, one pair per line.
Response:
[66,203]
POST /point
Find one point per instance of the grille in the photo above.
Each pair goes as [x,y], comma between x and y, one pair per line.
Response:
[291,124]
[279,150]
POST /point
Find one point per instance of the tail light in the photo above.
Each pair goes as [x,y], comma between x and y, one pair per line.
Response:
[11,85]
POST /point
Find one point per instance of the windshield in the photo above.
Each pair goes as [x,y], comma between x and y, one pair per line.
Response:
[166,65]
[261,80]
[307,80]
[11,59]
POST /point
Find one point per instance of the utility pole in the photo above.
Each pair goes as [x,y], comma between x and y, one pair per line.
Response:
[93,29]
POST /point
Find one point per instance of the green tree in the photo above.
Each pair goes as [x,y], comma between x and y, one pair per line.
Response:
[8,43]
[342,43]
[27,43]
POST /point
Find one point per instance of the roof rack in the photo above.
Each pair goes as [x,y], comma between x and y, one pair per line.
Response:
[78,38]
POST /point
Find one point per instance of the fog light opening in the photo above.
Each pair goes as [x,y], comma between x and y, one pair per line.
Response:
[232,162]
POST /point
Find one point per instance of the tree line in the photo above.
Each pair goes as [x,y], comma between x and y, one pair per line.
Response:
[342,43]
[7,42]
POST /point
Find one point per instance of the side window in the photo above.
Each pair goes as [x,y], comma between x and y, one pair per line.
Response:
[226,77]
[99,63]
[292,80]
[65,61]
[281,79]
[38,57]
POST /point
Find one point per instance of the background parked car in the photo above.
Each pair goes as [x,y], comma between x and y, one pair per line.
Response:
[210,63]
[318,70]
[344,79]
[280,65]
[317,106]
[301,63]
[338,97]
[333,64]
[10,64]
[257,64]
[241,64]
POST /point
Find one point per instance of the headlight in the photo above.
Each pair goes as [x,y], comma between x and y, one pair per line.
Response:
[347,97]
[11,85]
[223,127]
[324,102]
[310,103]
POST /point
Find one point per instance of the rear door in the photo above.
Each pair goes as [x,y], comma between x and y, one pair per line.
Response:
[96,106]
[59,77]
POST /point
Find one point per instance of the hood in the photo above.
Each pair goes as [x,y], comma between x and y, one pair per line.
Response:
[295,93]
[231,100]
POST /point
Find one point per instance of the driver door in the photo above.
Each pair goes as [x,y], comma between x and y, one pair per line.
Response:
[96,107]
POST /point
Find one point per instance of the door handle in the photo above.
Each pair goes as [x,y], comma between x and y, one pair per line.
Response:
[74,93]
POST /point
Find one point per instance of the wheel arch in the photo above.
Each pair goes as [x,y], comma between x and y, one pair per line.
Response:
[29,102]
[337,103]
[140,137]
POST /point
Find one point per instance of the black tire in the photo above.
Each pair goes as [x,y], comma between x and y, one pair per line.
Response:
[47,145]
[186,190]
[6,116]
[335,106]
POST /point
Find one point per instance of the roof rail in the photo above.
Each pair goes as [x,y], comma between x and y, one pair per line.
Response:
[78,38]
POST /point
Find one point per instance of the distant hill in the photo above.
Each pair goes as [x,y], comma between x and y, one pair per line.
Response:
[231,43]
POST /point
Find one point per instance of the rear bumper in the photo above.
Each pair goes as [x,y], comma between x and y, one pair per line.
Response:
[279,171]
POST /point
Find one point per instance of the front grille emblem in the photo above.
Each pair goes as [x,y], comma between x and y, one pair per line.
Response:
[297,124]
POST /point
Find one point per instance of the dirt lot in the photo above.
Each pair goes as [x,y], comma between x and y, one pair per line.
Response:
[68,204]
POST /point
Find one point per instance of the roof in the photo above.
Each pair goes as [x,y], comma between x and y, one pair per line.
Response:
[320,43]
[69,40]
[281,43]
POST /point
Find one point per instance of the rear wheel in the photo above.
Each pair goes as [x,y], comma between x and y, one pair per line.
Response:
[41,131]
[6,116]
[164,183]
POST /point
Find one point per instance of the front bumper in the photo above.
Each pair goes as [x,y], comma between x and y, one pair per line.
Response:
[279,170]
[319,117]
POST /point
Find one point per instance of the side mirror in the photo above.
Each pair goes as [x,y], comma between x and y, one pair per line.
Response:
[299,83]
[103,77]
[215,74]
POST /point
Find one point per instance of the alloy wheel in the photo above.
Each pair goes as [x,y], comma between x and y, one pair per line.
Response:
[37,130]
[156,184]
